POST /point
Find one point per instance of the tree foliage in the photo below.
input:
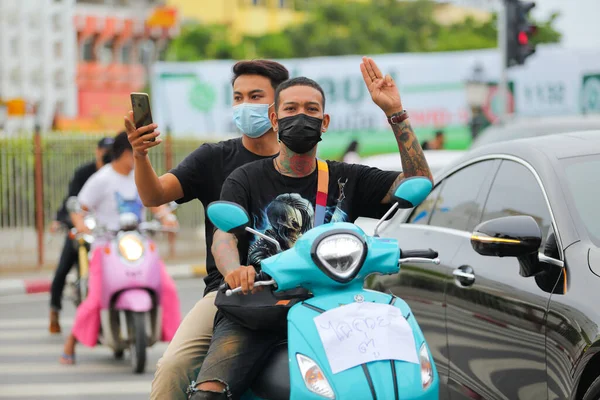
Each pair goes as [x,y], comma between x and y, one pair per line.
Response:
[342,27]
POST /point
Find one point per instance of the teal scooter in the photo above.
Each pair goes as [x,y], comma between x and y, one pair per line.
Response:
[345,342]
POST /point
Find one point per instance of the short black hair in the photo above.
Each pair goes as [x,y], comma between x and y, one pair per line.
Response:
[299,81]
[439,133]
[120,145]
[272,70]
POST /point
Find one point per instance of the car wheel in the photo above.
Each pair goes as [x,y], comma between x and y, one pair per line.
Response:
[593,392]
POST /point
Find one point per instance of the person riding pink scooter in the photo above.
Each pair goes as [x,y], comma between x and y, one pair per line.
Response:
[110,193]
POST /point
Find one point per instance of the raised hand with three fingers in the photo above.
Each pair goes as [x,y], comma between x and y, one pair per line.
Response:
[383,89]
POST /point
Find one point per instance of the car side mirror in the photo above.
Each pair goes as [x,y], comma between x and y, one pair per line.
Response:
[514,236]
[227,216]
[410,193]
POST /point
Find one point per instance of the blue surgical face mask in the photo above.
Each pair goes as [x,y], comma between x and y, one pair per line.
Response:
[252,119]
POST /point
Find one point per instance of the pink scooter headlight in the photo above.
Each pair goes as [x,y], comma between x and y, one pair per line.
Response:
[131,247]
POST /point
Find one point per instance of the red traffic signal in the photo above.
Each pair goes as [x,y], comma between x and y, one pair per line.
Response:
[523,38]
[519,31]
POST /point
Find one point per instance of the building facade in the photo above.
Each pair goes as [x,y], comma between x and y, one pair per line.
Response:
[116,43]
[67,64]
[37,63]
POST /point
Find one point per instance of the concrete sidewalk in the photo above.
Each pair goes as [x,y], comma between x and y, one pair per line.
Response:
[40,283]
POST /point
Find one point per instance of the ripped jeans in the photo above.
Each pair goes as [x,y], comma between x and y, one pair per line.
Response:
[236,356]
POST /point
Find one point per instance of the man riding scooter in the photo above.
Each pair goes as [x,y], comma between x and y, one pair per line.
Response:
[69,254]
[280,195]
[108,194]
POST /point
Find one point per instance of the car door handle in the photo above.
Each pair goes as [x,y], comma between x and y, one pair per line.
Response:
[464,275]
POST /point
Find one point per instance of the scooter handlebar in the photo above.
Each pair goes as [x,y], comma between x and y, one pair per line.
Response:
[428,256]
[429,253]
[260,277]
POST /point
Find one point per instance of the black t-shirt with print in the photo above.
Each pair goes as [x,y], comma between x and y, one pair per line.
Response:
[201,175]
[283,207]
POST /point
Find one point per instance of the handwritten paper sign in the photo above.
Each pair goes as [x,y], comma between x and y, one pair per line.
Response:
[360,333]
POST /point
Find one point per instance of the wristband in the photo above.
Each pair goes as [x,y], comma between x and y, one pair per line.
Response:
[398,117]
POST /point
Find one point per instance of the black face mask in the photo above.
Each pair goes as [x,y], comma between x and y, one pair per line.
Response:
[300,133]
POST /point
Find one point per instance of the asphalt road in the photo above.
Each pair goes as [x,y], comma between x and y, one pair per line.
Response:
[29,367]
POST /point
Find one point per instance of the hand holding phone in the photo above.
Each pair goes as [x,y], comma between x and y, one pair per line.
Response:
[142,116]
[141,131]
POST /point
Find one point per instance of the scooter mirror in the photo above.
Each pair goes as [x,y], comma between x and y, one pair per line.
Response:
[227,216]
[73,205]
[412,191]
[90,222]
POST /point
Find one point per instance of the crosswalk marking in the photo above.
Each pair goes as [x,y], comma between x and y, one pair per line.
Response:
[37,368]
[19,323]
[22,334]
[45,390]
[29,367]
[48,349]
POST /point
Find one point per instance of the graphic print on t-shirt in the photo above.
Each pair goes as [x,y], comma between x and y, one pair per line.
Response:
[133,206]
[287,218]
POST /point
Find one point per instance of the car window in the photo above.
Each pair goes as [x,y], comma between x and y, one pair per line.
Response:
[458,203]
[583,183]
[421,214]
[515,191]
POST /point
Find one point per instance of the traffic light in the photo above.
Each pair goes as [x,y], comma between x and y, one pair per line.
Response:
[519,31]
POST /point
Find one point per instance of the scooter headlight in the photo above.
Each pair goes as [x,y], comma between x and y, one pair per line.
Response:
[131,247]
[426,367]
[340,255]
[313,377]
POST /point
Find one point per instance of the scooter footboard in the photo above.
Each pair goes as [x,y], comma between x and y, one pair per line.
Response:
[383,379]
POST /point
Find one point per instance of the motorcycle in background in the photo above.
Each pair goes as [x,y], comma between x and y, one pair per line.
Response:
[130,315]
[345,342]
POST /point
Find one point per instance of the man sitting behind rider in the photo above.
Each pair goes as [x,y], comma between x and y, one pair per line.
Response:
[200,176]
[280,195]
[107,194]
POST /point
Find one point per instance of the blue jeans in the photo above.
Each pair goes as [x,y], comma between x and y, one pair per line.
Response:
[236,355]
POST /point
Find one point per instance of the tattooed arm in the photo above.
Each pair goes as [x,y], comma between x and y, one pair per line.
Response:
[225,251]
[386,95]
[411,155]
[227,258]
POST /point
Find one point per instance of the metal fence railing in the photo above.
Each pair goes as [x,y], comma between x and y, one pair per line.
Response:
[35,171]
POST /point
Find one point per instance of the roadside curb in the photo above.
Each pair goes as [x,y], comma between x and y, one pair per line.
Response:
[30,286]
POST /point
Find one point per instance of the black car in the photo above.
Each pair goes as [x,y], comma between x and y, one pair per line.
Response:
[513,310]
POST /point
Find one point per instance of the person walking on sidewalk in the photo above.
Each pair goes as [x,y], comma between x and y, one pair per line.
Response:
[68,256]
[201,176]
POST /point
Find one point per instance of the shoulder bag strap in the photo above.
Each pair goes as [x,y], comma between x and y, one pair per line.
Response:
[322,190]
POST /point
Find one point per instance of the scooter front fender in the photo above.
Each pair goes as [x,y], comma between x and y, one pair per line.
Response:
[138,300]
[386,379]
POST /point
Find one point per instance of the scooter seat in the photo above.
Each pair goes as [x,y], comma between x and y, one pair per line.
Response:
[273,382]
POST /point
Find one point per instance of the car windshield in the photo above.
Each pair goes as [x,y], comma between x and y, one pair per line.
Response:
[521,130]
[583,181]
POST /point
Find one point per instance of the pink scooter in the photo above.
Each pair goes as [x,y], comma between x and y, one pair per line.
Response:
[131,280]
